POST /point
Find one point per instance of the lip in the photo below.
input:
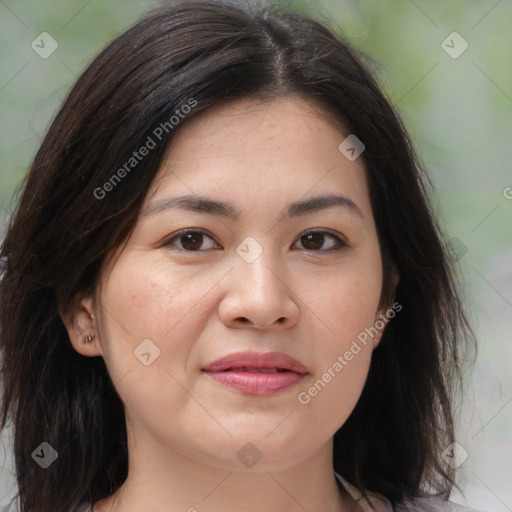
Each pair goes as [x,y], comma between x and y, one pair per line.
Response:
[257,373]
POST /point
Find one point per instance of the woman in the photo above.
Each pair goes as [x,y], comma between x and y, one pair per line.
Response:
[224,288]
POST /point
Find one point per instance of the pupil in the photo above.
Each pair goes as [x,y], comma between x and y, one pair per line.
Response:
[314,237]
[194,238]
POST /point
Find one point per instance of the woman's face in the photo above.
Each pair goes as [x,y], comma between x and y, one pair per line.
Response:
[265,271]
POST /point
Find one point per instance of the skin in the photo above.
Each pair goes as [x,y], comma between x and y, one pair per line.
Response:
[298,297]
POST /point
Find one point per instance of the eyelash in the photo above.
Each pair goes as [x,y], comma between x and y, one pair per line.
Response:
[341,243]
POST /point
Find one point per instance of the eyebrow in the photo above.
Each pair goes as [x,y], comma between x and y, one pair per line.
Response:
[210,206]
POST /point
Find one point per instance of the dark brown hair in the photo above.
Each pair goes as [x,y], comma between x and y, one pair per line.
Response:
[62,230]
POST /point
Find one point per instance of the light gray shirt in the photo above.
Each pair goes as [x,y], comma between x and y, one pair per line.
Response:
[380,503]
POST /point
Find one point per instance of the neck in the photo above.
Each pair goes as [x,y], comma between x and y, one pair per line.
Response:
[161,479]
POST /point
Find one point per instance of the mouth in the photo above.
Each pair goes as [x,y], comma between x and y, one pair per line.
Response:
[257,373]
[256,370]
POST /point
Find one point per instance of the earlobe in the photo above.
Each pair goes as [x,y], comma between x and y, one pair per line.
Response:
[377,338]
[380,324]
[81,325]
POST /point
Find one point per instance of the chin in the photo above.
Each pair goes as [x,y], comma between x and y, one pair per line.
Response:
[257,452]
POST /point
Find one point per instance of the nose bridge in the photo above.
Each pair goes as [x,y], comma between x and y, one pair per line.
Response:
[258,292]
[259,267]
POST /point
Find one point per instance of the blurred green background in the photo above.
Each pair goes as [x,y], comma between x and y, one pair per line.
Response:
[457,108]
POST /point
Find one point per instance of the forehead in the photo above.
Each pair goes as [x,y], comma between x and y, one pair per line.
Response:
[283,150]
[247,123]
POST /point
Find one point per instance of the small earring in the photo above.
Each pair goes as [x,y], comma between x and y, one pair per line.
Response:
[89,338]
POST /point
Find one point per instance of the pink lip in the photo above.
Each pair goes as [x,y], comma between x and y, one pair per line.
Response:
[257,373]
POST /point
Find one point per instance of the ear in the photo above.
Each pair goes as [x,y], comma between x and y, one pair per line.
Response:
[80,321]
[384,313]
[380,325]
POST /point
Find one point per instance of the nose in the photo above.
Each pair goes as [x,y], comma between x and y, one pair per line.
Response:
[259,295]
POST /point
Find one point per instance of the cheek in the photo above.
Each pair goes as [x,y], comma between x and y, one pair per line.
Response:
[147,297]
[345,304]
[144,297]
[329,397]
[135,303]
[136,293]
[142,300]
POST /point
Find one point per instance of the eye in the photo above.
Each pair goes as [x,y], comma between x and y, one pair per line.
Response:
[314,240]
[190,240]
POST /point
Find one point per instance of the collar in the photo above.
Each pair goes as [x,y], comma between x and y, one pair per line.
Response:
[380,503]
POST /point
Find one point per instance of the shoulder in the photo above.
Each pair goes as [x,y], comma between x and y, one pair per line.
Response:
[433,504]
[13,506]
[380,503]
